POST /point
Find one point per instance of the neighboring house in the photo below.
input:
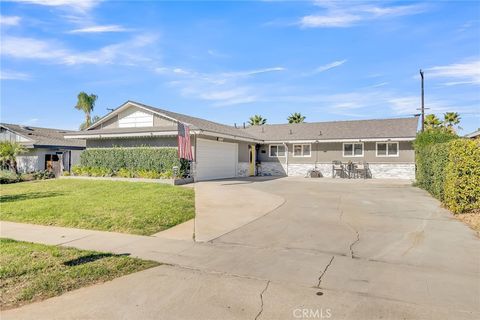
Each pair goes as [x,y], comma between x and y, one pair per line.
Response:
[473,135]
[46,148]
[223,151]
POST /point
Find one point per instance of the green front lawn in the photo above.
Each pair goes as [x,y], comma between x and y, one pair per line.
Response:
[129,207]
[32,272]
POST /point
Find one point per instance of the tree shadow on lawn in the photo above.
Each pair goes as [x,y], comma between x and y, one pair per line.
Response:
[91,258]
[28,196]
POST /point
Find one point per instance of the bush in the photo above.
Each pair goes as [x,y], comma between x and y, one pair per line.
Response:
[462,178]
[43,175]
[431,156]
[8,176]
[133,159]
[449,168]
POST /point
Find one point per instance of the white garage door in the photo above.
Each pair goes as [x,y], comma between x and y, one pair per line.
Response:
[216,160]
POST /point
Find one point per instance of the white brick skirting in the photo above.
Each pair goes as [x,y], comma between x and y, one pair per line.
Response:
[243,169]
[272,169]
[377,170]
[392,170]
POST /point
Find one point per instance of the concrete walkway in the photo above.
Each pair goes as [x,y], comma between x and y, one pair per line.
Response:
[347,249]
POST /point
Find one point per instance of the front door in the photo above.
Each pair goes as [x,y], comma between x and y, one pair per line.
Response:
[252,159]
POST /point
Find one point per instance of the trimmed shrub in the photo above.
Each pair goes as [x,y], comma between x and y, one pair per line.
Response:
[431,155]
[462,183]
[133,159]
[43,175]
[8,176]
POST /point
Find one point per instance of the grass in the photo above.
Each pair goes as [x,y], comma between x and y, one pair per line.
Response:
[128,207]
[32,272]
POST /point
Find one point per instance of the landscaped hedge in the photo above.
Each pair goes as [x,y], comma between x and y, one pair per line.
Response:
[132,159]
[449,169]
[462,180]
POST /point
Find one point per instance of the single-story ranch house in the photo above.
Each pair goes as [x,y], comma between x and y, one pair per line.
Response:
[46,148]
[222,151]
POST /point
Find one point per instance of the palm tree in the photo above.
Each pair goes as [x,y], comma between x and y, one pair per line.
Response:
[84,126]
[9,152]
[451,119]
[296,118]
[257,120]
[86,103]
[432,122]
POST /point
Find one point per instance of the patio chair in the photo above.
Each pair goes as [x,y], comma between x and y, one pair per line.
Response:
[361,170]
[338,169]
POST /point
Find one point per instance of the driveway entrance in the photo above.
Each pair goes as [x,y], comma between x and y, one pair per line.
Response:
[366,249]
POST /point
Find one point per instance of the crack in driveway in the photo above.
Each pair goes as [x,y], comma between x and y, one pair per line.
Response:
[324,271]
[261,301]
[357,239]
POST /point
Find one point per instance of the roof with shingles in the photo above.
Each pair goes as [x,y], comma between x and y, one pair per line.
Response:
[335,130]
[201,124]
[47,137]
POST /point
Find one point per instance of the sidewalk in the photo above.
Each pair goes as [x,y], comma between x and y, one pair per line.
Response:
[145,247]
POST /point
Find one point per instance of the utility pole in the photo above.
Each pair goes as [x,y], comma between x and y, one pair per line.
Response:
[423,103]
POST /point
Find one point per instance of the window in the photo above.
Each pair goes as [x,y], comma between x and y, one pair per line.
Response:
[387,149]
[353,149]
[301,150]
[277,150]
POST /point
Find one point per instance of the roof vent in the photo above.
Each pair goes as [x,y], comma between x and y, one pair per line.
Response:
[320,133]
[26,128]
[291,131]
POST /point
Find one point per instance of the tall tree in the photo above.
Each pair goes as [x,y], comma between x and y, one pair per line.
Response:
[432,122]
[86,103]
[296,117]
[450,120]
[94,119]
[257,120]
[9,152]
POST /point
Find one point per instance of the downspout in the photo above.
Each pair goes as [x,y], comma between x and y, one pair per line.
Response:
[286,156]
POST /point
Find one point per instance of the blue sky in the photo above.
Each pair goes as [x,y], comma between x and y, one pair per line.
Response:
[225,61]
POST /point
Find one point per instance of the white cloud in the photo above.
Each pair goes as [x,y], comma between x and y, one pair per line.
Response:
[78,5]
[221,88]
[13,75]
[459,73]
[9,20]
[329,66]
[331,20]
[125,53]
[100,29]
[345,14]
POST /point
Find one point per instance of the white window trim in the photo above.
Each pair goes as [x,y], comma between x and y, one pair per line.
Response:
[303,155]
[276,145]
[353,150]
[387,155]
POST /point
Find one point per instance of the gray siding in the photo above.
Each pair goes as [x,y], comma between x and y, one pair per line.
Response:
[327,152]
[133,142]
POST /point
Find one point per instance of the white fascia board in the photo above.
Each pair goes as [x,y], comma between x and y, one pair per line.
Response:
[342,140]
[227,136]
[123,135]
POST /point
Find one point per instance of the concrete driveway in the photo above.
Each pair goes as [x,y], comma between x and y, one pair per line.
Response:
[332,249]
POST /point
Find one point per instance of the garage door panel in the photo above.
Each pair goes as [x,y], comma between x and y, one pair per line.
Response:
[216,160]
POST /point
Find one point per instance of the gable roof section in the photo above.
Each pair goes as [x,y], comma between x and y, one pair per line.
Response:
[195,123]
[44,137]
[400,128]
[379,129]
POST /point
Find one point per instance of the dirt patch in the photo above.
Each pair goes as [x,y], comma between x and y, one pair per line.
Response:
[472,219]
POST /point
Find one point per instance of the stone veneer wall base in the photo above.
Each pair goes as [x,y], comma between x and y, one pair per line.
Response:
[377,170]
